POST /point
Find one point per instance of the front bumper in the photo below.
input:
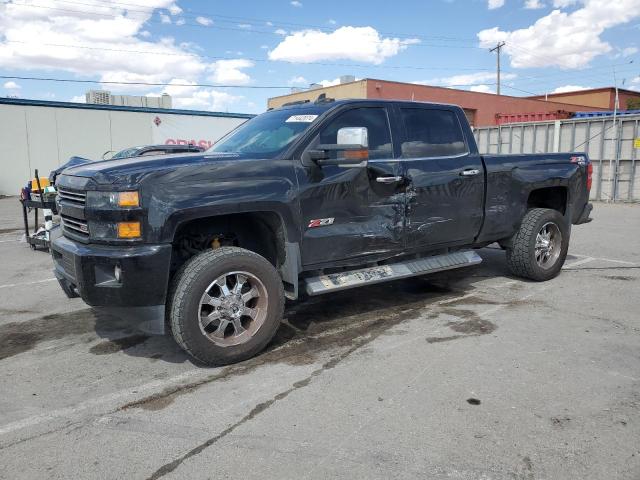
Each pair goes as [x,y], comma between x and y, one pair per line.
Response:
[88,271]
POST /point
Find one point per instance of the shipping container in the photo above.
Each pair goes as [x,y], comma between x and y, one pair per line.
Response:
[606,113]
[503,118]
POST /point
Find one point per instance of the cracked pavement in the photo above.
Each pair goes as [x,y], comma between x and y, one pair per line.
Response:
[469,374]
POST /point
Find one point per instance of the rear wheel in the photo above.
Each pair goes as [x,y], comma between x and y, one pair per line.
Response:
[225,305]
[539,247]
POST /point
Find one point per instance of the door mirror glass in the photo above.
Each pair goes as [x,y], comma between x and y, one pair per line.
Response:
[353,136]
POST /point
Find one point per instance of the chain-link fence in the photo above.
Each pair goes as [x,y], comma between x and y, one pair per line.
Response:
[613,147]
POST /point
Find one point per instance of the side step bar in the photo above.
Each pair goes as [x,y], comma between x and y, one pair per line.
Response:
[383,273]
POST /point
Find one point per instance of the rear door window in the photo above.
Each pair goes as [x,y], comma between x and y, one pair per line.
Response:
[431,133]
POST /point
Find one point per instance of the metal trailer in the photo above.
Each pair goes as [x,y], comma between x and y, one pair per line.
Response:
[612,145]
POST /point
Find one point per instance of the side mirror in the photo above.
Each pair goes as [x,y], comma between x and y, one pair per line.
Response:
[108,154]
[354,136]
[351,149]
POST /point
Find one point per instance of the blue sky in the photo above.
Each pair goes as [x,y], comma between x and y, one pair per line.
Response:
[191,45]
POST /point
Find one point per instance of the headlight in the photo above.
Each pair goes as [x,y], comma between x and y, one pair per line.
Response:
[113,200]
[115,230]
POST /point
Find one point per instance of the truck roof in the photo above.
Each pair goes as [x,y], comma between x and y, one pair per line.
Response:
[326,104]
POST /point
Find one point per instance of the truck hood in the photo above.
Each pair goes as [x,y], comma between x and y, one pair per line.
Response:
[127,170]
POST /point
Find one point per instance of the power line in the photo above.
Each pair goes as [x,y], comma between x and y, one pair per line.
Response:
[213,57]
[197,25]
[265,21]
[199,85]
[150,84]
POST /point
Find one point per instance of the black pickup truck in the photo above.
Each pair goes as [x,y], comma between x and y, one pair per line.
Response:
[307,199]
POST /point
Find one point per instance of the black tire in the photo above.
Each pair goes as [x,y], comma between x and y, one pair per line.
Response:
[193,280]
[521,254]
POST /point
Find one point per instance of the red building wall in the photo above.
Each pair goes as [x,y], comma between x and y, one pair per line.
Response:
[487,106]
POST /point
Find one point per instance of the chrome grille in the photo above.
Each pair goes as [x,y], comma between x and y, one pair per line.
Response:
[75,226]
[72,196]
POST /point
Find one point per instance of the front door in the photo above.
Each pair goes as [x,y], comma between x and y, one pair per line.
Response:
[353,212]
[445,186]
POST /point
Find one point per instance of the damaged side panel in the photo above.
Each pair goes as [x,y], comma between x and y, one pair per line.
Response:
[367,217]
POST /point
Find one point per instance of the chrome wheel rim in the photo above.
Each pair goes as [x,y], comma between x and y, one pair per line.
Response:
[548,245]
[233,308]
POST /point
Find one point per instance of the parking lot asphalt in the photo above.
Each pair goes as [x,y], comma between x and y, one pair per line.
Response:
[471,374]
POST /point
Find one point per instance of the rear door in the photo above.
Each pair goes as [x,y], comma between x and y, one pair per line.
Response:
[352,212]
[445,180]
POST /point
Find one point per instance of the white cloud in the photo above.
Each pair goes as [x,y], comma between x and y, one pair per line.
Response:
[566,40]
[280,31]
[533,4]
[180,21]
[483,82]
[186,95]
[264,47]
[11,85]
[493,4]
[627,52]
[332,21]
[482,89]
[570,88]
[244,26]
[478,79]
[206,21]
[229,72]
[329,83]
[348,43]
[298,80]
[296,3]
[174,9]
[28,37]
[563,3]
[78,99]
[164,18]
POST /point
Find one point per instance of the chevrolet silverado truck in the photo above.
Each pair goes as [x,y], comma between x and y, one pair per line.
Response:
[303,200]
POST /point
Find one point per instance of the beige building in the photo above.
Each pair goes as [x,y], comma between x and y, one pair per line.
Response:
[482,109]
[597,98]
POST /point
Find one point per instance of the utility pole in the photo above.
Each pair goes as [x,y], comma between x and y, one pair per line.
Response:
[497,49]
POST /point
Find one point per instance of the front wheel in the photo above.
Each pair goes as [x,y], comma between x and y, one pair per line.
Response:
[225,305]
[539,247]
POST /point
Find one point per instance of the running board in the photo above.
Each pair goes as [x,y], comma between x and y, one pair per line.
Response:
[384,273]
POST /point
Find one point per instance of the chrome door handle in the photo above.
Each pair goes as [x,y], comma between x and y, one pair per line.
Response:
[470,172]
[389,179]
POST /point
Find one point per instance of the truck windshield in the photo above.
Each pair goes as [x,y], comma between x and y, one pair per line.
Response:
[265,136]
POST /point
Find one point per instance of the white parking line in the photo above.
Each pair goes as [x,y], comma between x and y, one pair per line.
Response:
[114,399]
[10,285]
[612,260]
[578,262]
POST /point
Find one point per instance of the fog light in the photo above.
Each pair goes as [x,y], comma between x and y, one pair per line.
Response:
[117,272]
[129,229]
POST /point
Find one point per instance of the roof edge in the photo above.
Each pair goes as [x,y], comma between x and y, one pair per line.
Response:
[120,108]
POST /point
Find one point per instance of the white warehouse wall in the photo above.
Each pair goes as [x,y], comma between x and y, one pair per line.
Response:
[43,135]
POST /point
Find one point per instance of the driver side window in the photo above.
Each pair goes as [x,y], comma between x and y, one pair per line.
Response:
[373,119]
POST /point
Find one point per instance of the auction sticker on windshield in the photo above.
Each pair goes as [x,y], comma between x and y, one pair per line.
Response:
[302,118]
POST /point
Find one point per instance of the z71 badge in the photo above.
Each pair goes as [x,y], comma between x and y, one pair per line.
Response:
[321,222]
